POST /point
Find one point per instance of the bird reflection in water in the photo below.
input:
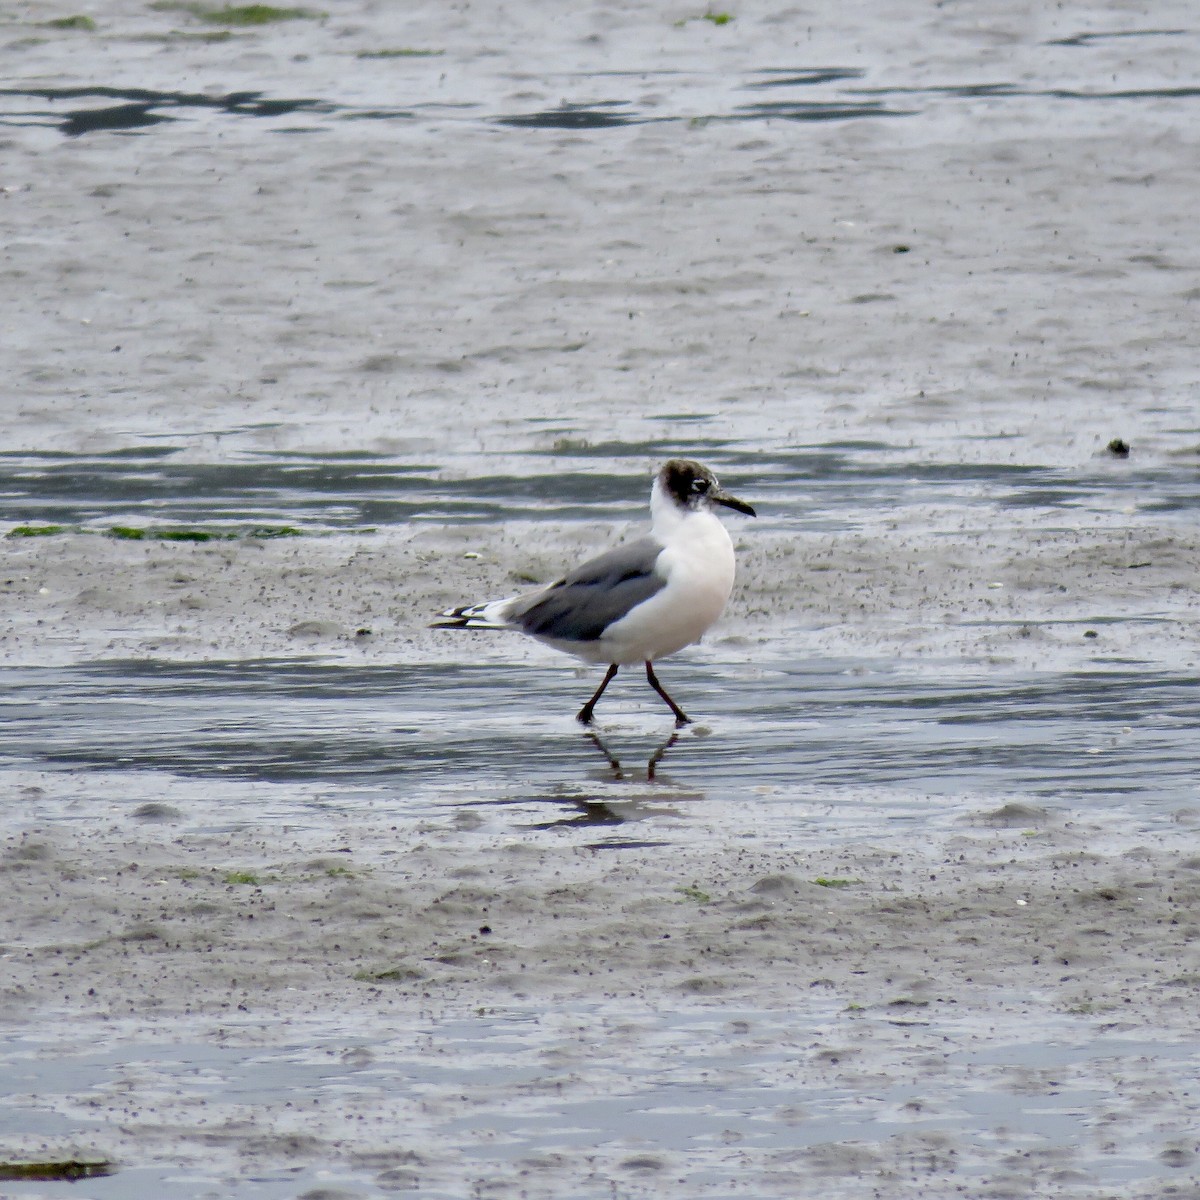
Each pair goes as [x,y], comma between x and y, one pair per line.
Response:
[610,810]
[614,763]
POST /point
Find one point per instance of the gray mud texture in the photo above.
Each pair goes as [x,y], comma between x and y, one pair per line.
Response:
[384,308]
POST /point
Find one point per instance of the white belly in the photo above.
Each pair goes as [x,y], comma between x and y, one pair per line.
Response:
[699,569]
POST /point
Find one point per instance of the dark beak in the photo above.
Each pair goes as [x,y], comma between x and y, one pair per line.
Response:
[720,496]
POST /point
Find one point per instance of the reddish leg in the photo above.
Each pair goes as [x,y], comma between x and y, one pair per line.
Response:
[681,718]
[584,716]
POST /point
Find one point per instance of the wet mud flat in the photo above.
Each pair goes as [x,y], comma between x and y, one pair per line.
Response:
[309,926]
[316,326]
[477,1001]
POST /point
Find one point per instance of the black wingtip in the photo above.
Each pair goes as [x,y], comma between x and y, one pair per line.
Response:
[452,618]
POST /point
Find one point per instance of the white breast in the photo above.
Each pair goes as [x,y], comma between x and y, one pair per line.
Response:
[697,563]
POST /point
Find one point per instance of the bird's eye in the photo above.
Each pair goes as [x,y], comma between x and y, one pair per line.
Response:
[700,486]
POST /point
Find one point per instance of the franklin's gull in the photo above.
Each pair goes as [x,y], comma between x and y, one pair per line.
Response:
[641,600]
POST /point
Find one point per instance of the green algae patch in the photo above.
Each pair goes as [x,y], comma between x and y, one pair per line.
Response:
[185,535]
[65,1169]
[274,531]
[36,531]
[692,892]
[78,22]
[716,18]
[247,877]
[239,14]
[821,881]
[402,52]
[134,533]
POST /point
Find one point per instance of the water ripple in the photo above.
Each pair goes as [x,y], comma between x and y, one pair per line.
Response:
[879,743]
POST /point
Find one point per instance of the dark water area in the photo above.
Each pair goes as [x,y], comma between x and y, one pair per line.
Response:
[860,742]
[138,109]
[681,94]
[833,486]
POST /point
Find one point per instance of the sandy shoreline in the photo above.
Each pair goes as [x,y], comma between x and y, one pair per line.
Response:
[1089,929]
[1022,598]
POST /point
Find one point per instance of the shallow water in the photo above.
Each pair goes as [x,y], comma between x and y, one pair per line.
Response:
[829,486]
[483,1097]
[864,741]
[411,89]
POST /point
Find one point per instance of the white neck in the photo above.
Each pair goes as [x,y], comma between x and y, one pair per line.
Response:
[697,558]
[665,514]
[668,516]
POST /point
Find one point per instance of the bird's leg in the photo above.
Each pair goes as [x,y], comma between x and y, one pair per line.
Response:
[681,718]
[584,716]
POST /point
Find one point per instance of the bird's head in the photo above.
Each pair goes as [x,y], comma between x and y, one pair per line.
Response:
[692,486]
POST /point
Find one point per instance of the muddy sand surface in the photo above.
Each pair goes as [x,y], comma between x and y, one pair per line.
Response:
[315,327]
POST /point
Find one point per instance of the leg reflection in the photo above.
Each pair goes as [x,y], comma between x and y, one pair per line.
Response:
[614,763]
[660,754]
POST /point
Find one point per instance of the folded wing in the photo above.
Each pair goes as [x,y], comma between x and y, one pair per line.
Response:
[580,607]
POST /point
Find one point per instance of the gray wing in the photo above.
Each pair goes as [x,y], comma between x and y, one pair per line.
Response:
[582,606]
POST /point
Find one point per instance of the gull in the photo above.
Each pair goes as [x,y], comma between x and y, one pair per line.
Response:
[641,600]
